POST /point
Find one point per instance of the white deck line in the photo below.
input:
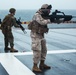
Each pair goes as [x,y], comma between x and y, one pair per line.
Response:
[61,51]
[13,66]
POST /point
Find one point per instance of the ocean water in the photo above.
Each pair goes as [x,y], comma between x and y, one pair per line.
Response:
[26,15]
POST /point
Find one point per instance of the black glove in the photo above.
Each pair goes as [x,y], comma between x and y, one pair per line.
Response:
[18,22]
[0,21]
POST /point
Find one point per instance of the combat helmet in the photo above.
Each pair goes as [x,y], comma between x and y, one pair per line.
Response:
[46,6]
[12,10]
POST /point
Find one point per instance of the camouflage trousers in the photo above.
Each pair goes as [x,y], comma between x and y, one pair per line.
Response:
[8,39]
[38,47]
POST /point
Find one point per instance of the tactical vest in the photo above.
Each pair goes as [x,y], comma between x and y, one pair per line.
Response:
[34,26]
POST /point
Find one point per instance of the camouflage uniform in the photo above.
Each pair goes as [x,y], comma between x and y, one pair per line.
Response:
[38,40]
[6,27]
[38,27]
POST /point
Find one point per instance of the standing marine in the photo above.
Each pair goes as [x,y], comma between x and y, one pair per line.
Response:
[8,22]
[38,29]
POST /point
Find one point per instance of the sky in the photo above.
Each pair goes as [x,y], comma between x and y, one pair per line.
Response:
[36,4]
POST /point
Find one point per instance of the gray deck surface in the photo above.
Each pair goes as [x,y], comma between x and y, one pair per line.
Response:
[57,39]
[62,64]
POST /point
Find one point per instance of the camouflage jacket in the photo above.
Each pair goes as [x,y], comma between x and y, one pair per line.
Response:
[39,24]
[8,22]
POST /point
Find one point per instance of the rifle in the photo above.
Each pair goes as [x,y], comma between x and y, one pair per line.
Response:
[19,23]
[0,21]
[55,18]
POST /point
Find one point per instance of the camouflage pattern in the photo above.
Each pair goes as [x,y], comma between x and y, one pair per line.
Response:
[34,26]
[6,27]
[38,40]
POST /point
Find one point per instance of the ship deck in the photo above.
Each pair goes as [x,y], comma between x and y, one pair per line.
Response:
[61,55]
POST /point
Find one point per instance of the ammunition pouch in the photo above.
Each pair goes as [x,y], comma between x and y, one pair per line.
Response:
[34,26]
[5,29]
[43,29]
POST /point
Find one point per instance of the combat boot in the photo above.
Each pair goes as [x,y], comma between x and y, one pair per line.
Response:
[35,68]
[13,50]
[43,66]
[6,49]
